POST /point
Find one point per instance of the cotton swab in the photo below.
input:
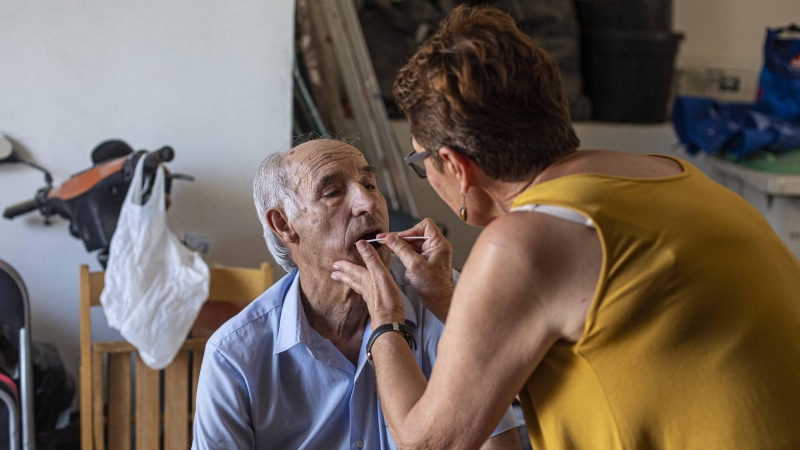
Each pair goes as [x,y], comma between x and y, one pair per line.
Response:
[408,238]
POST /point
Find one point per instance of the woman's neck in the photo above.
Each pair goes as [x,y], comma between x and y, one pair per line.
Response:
[503,193]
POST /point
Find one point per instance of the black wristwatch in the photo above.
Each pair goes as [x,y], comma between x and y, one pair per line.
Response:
[396,327]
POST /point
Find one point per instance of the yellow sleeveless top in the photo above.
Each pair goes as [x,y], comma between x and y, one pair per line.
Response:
[692,340]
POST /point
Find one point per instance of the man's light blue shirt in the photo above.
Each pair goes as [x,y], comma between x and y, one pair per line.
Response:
[270,381]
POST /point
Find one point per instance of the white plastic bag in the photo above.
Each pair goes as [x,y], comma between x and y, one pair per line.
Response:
[154,286]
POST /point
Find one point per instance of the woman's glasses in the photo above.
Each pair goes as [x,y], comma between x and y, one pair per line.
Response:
[414,159]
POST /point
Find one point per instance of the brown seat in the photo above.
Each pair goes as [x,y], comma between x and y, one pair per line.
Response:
[107,372]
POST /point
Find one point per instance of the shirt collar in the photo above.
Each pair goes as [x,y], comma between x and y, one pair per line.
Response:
[293,327]
[408,310]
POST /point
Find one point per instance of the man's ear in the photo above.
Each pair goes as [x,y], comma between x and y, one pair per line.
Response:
[459,166]
[280,226]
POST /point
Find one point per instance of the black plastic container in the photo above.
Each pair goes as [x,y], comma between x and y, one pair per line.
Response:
[628,74]
[652,15]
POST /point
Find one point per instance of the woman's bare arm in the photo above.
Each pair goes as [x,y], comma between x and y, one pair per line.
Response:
[523,288]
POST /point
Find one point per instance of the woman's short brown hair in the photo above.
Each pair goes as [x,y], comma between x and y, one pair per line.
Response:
[483,85]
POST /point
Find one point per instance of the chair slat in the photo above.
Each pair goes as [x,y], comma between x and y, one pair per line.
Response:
[147,385]
[110,347]
[197,361]
[176,403]
[119,401]
[97,281]
[86,358]
[97,402]
[227,284]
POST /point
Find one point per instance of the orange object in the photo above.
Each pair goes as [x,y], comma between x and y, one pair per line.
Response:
[84,181]
[81,183]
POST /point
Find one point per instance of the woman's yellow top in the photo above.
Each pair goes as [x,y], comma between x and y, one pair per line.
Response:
[692,340]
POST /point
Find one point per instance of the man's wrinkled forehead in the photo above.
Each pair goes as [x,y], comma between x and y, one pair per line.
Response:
[311,161]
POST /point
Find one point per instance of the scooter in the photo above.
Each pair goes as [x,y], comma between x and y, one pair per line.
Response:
[91,200]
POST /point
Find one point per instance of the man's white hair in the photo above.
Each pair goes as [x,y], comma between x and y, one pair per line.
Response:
[271,190]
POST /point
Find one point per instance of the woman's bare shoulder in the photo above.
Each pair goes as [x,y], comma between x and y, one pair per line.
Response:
[559,259]
[524,231]
[519,237]
[613,163]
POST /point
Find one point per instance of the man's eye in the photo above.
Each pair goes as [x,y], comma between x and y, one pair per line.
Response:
[370,187]
[333,193]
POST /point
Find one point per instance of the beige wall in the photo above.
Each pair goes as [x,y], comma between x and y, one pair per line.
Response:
[728,34]
[212,79]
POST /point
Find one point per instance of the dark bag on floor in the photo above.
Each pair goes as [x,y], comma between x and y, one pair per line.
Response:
[53,387]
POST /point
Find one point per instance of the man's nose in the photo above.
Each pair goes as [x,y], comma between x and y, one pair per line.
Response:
[364,202]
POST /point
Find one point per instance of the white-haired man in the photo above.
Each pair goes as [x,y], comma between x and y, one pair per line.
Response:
[290,371]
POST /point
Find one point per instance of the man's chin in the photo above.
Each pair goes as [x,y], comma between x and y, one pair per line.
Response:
[384,252]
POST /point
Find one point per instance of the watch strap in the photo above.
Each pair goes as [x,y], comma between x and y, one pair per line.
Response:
[386,328]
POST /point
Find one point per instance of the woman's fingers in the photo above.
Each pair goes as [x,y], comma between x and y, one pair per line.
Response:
[428,263]
[416,230]
[407,253]
[427,228]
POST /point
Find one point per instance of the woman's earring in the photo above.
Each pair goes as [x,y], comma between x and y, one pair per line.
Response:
[463,208]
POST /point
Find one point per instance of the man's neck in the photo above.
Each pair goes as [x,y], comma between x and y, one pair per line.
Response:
[334,311]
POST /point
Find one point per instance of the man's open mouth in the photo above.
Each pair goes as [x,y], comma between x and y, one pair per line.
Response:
[370,235]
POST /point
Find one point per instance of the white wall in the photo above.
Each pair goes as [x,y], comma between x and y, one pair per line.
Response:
[729,34]
[210,78]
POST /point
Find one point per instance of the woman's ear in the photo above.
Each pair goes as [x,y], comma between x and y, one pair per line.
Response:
[280,226]
[459,166]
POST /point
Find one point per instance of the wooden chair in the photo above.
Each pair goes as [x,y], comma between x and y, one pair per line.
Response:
[107,373]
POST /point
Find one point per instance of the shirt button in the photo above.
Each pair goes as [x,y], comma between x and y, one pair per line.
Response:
[360,444]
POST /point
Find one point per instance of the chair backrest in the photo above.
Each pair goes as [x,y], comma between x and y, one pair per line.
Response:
[16,313]
[13,297]
[114,377]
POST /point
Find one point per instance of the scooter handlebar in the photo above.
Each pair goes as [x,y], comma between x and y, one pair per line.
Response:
[151,163]
[153,159]
[20,209]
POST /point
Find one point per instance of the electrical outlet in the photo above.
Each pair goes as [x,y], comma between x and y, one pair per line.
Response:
[730,85]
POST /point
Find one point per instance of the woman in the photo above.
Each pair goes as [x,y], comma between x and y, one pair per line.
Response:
[629,300]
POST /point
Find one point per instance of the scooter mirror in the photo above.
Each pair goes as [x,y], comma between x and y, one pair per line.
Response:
[7,153]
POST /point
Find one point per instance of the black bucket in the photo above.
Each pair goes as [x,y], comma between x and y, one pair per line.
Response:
[653,15]
[628,74]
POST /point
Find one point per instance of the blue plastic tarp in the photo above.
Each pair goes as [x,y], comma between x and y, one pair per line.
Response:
[703,124]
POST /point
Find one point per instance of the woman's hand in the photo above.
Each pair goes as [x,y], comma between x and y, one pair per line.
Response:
[429,265]
[374,283]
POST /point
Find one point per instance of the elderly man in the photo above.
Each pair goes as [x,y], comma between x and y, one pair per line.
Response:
[290,371]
